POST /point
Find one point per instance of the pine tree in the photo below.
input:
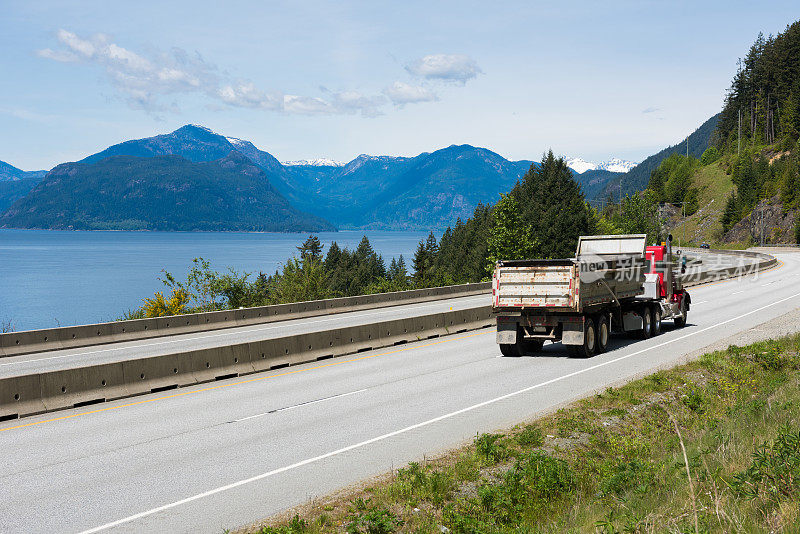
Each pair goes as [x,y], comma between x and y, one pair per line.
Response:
[790,121]
[311,248]
[552,204]
[333,257]
[421,264]
[509,237]
[731,214]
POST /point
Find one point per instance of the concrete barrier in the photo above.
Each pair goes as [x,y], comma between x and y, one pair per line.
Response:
[83,385]
[765,261]
[54,390]
[26,342]
[20,396]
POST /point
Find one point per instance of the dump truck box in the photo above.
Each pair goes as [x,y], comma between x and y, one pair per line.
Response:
[605,269]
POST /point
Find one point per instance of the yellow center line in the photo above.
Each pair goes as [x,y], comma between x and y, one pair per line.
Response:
[240,382]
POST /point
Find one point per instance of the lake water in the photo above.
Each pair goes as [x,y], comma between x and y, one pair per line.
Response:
[60,278]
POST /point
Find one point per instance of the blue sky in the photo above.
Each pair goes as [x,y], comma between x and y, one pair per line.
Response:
[336,79]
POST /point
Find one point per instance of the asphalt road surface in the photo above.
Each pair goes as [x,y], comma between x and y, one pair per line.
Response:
[225,454]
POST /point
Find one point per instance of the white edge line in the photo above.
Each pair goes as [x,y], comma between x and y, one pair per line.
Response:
[412,427]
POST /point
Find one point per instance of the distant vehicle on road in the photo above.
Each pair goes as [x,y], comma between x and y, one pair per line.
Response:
[705,245]
[614,283]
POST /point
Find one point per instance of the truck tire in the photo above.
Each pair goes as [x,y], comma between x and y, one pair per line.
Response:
[603,330]
[510,350]
[647,324]
[655,320]
[520,348]
[589,342]
[531,346]
[680,321]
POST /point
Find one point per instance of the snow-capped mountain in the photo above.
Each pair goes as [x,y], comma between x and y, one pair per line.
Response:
[580,165]
[617,165]
[318,162]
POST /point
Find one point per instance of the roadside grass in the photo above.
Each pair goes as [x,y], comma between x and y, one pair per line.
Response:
[714,187]
[614,462]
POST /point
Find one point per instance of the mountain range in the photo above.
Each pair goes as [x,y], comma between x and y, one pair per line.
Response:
[580,165]
[16,183]
[161,192]
[431,190]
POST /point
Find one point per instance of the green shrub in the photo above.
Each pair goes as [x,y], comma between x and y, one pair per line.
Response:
[416,481]
[531,436]
[695,401]
[295,526]
[541,476]
[709,156]
[491,447]
[771,357]
[623,476]
[365,519]
[774,471]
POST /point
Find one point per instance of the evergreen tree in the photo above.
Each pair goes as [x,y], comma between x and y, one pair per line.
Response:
[790,186]
[657,181]
[397,272]
[334,257]
[710,155]
[790,120]
[731,213]
[311,247]
[421,264]
[552,204]
[509,237]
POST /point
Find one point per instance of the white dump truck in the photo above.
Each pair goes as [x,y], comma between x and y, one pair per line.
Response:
[615,283]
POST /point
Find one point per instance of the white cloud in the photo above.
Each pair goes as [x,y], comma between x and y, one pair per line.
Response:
[142,80]
[401,93]
[63,56]
[78,45]
[447,67]
[247,95]
[145,80]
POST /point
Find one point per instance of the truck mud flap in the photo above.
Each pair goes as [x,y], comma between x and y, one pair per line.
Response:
[631,321]
[572,333]
[506,332]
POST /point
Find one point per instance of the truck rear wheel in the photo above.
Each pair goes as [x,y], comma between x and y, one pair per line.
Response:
[680,322]
[589,342]
[655,317]
[647,324]
[510,350]
[521,348]
[603,333]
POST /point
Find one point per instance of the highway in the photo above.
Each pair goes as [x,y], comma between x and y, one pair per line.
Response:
[224,454]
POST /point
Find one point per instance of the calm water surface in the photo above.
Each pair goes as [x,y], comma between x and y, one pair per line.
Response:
[54,278]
